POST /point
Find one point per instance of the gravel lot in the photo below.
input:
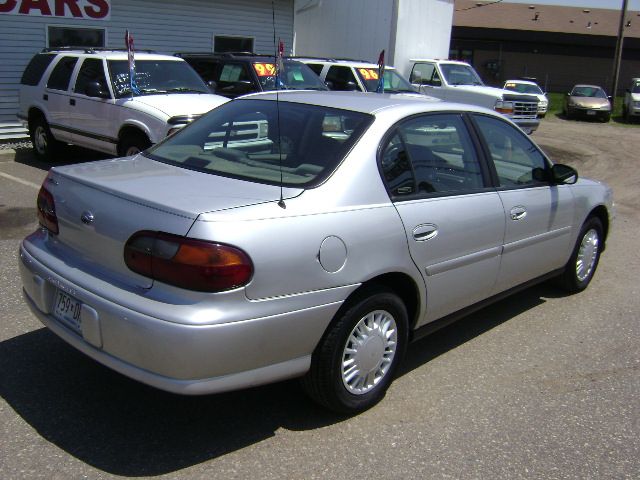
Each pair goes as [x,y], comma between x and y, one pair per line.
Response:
[540,385]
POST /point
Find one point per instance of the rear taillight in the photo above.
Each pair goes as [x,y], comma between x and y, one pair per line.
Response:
[187,262]
[47,210]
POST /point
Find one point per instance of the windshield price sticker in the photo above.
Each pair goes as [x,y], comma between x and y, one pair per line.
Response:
[265,69]
[368,73]
[67,310]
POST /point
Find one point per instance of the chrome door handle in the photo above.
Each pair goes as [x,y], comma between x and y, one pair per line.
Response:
[425,232]
[518,213]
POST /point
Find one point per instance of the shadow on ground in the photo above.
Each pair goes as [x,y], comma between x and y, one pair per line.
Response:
[125,428]
[67,155]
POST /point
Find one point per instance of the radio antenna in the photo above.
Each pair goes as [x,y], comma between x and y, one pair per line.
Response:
[277,60]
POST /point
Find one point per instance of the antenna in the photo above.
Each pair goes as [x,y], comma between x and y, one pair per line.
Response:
[277,59]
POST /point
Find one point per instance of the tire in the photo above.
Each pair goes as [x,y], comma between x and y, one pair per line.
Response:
[132,144]
[45,146]
[371,333]
[585,257]
[605,118]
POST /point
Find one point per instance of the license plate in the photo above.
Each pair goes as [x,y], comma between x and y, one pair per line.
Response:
[67,310]
[591,112]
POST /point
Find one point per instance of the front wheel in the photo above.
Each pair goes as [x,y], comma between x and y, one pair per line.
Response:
[585,257]
[356,360]
[132,144]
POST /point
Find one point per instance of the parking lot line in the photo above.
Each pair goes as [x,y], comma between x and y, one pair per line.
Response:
[19,180]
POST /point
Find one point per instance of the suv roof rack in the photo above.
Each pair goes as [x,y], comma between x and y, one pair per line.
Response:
[223,54]
[326,59]
[91,49]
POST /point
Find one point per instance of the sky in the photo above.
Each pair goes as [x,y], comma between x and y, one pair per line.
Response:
[614,4]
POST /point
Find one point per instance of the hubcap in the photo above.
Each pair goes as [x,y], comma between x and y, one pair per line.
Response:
[369,351]
[587,255]
[40,138]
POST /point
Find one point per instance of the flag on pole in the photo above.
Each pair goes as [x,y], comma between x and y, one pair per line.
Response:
[380,88]
[280,63]
[128,40]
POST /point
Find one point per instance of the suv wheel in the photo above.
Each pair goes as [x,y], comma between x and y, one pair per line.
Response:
[132,144]
[44,145]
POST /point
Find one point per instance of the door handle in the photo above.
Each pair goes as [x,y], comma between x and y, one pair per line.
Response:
[72,101]
[425,232]
[518,213]
[45,97]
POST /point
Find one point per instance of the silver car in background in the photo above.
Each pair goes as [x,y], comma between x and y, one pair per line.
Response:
[303,234]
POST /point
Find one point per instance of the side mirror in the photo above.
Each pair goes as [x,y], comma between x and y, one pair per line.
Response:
[213,86]
[94,89]
[563,174]
[610,97]
[329,84]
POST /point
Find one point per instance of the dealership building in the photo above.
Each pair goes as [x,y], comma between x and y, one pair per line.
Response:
[335,28]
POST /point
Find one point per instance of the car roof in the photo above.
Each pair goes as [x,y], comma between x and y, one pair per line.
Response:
[438,60]
[341,61]
[249,56]
[112,54]
[587,86]
[367,102]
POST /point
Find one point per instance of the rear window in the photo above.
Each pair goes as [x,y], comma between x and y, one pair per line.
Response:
[34,71]
[277,143]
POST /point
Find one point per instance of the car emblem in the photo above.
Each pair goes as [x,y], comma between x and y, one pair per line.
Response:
[87,218]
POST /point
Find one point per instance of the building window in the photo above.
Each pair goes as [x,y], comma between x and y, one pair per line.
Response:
[75,37]
[232,44]
[461,54]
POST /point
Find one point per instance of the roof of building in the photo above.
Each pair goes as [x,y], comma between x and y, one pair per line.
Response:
[543,18]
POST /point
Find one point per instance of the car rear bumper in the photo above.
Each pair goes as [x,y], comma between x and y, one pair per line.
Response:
[181,358]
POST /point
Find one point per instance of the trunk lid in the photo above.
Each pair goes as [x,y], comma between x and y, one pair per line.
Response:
[99,206]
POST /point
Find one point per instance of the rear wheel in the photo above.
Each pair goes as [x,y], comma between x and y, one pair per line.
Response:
[356,360]
[585,257]
[133,143]
[44,145]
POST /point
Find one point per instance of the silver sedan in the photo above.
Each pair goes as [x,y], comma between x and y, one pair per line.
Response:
[303,234]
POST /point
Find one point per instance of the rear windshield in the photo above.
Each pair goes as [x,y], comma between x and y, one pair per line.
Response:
[276,143]
[38,64]
[154,77]
[393,82]
[296,76]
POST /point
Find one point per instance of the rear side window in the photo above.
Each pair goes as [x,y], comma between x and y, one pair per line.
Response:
[316,67]
[38,64]
[61,74]
[430,154]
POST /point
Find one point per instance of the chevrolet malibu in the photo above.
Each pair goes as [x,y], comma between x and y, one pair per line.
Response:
[303,234]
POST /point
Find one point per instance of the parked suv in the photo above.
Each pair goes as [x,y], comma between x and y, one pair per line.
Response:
[631,106]
[240,73]
[84,97]
[356,75]
[456,81]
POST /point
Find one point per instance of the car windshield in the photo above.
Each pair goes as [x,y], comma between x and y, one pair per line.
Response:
[296,76]
[523,88]
[393,82]
[594,92]
[456,74]
[155,76]
[277,143]
[635,88]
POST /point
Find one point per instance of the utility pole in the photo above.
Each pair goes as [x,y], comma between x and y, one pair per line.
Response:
[618,54]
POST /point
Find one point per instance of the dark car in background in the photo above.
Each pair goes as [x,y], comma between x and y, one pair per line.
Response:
[587,101]
[241,73]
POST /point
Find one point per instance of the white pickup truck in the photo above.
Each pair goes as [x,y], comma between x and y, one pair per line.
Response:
[456,81]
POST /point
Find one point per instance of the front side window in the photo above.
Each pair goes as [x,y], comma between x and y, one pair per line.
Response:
[342,78]
[155,77]
[517,161]
[430,154]
[91,71]
[61,74]
[277,143]
[423,73]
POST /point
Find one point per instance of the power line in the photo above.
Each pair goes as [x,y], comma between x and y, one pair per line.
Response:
[478,5]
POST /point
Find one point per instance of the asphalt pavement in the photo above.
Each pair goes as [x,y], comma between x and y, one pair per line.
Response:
[540,385]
